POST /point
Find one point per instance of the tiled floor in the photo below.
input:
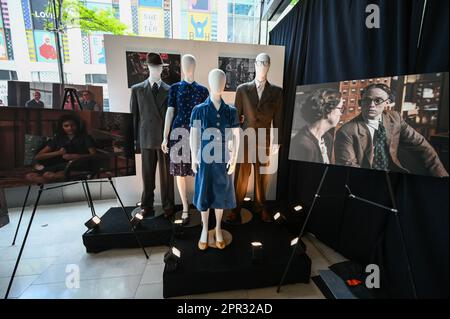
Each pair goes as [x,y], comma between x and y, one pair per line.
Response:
[54,255]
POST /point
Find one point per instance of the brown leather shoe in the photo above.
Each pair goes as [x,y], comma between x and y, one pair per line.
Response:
[266,217]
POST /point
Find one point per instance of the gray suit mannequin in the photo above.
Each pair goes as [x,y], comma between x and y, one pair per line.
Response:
[148,104]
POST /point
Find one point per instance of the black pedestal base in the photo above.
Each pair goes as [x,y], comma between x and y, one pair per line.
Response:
[114,232]
[232,268]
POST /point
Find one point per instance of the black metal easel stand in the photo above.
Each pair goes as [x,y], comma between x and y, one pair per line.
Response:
[73,97]
[36,203]
[392,209]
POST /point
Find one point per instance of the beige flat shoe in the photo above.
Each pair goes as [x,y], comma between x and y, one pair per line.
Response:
[202,245]
[219,244]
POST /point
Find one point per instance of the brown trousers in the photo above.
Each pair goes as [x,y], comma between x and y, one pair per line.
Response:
[241,178]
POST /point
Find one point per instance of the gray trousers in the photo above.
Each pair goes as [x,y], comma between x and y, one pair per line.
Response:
[150,157]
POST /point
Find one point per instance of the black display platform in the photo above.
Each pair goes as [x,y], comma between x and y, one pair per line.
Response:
[114,232]
[232,268]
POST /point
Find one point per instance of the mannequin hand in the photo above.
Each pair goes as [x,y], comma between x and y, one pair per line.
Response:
[194,166]
[231,166]
[164,147]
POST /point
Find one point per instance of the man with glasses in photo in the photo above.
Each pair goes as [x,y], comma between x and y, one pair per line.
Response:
[373,138]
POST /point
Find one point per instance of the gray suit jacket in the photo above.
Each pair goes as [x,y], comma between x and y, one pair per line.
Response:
[148,114]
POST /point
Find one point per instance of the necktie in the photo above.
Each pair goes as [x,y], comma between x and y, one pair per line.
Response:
[155,89]
[380,150]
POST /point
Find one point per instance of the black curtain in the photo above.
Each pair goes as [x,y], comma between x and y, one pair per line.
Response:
[328,41]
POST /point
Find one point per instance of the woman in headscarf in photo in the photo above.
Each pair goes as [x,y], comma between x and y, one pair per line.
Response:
[322,111]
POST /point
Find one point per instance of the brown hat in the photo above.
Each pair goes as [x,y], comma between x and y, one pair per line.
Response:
[154,59]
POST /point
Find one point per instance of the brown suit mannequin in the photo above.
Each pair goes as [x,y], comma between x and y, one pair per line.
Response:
[257,113]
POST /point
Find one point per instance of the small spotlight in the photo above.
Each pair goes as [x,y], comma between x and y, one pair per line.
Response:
[279,218]
[178,227]
[93,222]
[247,199]
[138,204]
[136,219]
[298,208]
[257,252]
[301,248]
[171,259]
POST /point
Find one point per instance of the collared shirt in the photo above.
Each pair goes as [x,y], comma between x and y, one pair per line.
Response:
[260,87]
[153,82]
[372,125]
[216,122]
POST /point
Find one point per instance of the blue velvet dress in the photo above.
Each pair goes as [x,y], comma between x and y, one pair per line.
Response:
[183,97]
[213,186]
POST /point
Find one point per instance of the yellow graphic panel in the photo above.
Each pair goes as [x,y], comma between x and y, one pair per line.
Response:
[199,26]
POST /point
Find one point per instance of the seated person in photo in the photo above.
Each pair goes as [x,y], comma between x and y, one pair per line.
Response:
[374,138]
[322,111]
[36,102]
[88,102]
[69,143]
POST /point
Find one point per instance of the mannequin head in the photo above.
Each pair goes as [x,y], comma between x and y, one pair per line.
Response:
[217,80]
[155,72]
[262,65]
[188,63]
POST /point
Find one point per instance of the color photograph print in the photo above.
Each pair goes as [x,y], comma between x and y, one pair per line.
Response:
[48,146]
[22,94]
[397,124]
[237,70]
[45,46]
[199,26]
[199,5]
[137,70]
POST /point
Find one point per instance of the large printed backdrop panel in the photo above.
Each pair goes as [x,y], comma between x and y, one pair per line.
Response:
[39,150]
[397,123]
[207,55]
[137,70]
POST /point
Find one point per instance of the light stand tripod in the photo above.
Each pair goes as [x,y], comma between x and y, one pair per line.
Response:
[392,209]
[91,205]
